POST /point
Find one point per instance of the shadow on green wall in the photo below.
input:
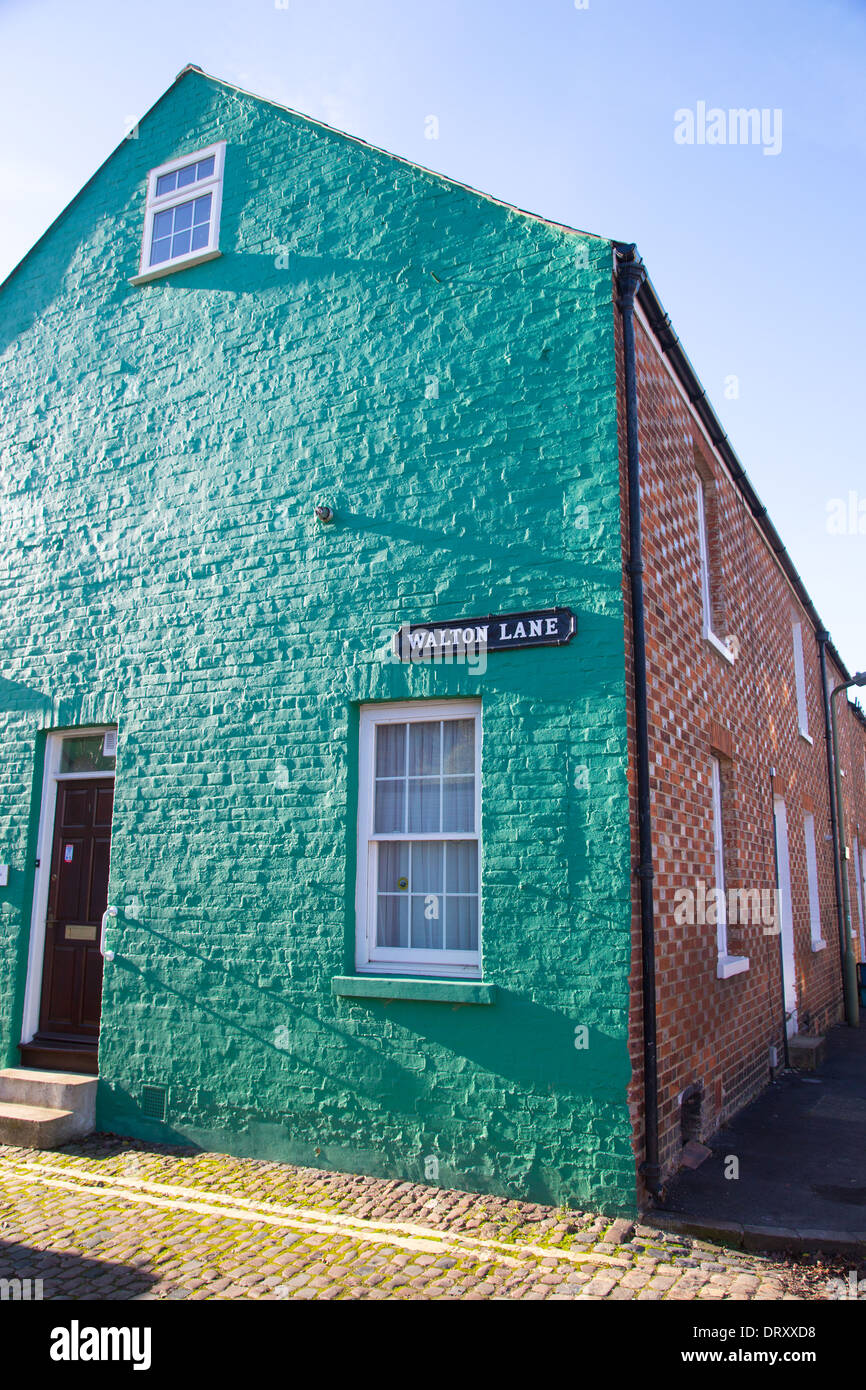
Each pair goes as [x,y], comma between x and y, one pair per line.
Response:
[249,995]
[16,696]
[517,1039]
[250,272]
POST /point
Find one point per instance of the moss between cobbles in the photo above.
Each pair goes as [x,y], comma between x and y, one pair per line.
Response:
[233,1249]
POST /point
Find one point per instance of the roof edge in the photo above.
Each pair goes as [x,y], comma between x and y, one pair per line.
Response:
[311,121]
[190,67]
[388,154]
[674,352]
[647,298]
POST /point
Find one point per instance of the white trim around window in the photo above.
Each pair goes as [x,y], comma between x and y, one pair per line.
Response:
[719,863]
[726,965]
[703,536]
[706,586]
[182,213]
[418,892]
[858,881]
[818,942]
[800,679]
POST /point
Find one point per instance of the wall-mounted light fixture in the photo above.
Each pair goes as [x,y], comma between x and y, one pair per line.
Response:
[324,513]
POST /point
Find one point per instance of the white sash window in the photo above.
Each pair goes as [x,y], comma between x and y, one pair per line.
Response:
[418,894]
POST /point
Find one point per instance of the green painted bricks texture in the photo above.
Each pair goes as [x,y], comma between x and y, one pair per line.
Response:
[163,449]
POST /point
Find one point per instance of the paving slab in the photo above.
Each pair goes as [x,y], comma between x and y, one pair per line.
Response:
[801,1163]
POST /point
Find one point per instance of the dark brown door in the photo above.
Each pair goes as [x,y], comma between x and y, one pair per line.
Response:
[77,897]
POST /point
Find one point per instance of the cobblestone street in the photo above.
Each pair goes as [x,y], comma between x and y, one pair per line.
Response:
[110,1219]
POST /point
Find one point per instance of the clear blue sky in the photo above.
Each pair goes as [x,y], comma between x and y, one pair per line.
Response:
[759,259]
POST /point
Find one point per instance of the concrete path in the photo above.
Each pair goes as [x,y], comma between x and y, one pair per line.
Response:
[111,1219]
[801,1162]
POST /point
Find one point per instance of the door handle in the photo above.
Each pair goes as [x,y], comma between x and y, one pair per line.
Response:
[109,912]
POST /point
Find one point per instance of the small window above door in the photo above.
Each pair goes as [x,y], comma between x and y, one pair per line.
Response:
[89,753]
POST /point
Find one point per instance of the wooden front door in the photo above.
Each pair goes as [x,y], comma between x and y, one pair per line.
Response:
[77,897]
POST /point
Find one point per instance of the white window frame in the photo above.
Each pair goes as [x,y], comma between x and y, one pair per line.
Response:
[380,960]
[719,863]
[818,942]
[785,920]
[706,588]
[800,678]
[726,965]
[213,185]
[858,884]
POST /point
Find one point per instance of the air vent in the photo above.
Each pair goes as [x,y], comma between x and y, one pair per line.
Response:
[153,1101]
[691,1102]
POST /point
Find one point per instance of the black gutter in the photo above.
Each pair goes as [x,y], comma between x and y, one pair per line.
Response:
[630,274]
[673,350]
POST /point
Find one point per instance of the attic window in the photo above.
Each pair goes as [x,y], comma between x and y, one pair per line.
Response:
[182,214]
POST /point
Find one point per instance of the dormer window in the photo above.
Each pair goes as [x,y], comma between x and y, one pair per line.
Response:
[182,215]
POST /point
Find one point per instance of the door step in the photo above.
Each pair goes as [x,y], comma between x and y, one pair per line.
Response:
[42,1109]
[805,1052]
[60,1056]
[35,1126]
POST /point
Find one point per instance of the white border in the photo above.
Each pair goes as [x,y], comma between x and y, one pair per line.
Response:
[370,960]
[726,964]
[718,644]
[786,921]
[706,587]
[44,846]
[800,677]
[858,884]
[212,185]
[719,862]
[815,931]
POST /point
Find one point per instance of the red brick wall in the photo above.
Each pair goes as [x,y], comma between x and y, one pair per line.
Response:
[716,1033]
[852,741]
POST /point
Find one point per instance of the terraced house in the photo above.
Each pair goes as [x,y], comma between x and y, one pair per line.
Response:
[393,642]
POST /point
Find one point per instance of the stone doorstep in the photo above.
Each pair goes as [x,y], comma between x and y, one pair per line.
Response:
[35,1126]
[43,1109]
[60,1090]
[801,1240]
[806,1052]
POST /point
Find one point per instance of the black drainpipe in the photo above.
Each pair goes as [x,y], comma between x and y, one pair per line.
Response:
[631,272]
[823,638]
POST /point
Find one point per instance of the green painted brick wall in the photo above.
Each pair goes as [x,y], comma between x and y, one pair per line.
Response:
[162,451]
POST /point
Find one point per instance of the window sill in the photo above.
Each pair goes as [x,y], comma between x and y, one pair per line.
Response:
[159,272]
[808,737]
[398,987]
[718,644]
[731,965]
[819,945]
